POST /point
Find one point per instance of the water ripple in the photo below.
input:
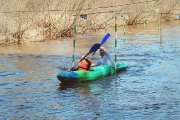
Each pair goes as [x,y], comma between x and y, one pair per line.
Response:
[148,89]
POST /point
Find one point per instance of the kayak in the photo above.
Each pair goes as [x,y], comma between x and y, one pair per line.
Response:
[92,74]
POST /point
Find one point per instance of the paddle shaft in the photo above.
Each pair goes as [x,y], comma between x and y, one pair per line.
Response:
[94,48]
[79,61]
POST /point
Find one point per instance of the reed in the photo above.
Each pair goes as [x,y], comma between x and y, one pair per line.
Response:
[24,21]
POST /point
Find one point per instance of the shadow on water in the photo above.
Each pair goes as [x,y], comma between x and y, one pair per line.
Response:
[64,86]
[91,87]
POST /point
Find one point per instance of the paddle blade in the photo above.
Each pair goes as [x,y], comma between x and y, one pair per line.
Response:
[105,38]
[94,48]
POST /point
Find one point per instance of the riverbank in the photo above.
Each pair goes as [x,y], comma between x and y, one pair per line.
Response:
[84,42]
[36,21]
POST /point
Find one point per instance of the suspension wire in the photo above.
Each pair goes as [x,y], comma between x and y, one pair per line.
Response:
[89,8]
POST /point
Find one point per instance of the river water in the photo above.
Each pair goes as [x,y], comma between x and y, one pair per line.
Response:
[149,89]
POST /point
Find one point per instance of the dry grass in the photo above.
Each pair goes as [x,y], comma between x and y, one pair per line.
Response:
[24,21]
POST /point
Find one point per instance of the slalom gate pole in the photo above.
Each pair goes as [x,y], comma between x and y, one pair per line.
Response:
[161,28]
[159,24]
[124,28]
[105,23]
[74,42]
[115,45]
[144,18]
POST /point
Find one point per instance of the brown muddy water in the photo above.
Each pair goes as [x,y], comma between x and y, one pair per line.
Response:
[149,89]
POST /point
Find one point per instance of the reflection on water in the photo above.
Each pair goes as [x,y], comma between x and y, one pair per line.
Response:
[148,89]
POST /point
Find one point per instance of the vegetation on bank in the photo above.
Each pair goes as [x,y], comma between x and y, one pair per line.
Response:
[25,21]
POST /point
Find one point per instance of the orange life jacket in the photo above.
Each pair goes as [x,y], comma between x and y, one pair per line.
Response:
[84,64]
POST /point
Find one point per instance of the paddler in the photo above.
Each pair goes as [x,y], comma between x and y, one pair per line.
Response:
[84,64]
[105,58]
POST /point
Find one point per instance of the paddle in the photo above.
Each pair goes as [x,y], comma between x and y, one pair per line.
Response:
[105,38]
[102,42]
[94,48]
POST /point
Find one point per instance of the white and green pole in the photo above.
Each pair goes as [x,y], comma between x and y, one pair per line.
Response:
[115,45]
[144,18]
[74,41]
[159,23]
[161,28]
[124,28]
[106,23]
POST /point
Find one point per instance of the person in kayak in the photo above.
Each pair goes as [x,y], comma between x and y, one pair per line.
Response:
[105,58]
[84,64]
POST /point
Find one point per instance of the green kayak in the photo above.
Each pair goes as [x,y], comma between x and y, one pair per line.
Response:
[89,75]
